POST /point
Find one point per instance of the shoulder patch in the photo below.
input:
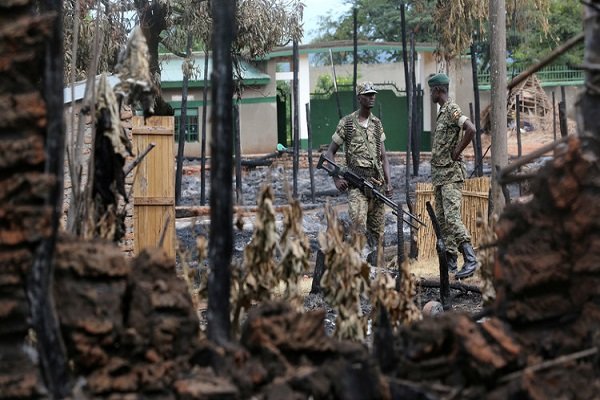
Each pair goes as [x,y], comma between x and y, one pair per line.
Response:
[455,115]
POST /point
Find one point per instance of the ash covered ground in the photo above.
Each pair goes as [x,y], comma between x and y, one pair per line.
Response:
[279,175]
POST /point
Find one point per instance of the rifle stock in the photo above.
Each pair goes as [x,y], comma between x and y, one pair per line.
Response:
[364,186]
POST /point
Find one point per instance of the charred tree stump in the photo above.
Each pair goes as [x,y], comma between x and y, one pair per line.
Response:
[318,273]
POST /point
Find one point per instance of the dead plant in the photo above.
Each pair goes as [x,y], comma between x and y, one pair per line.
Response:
[294,251]
[487,256]
[346,278]
[399,304]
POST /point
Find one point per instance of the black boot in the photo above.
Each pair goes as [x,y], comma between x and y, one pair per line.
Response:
[470,264]
[452,262]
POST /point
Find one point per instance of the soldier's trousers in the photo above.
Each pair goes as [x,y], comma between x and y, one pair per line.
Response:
[367,216]
[448,199]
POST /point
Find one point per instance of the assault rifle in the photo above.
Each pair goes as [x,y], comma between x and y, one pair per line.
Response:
[365,186]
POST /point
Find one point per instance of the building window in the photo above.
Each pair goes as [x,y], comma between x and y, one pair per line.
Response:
[191,134]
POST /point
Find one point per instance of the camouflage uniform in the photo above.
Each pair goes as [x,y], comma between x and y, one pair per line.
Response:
[448,176]
[367,214]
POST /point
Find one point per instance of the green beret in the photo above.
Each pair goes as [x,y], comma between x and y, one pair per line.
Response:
[438,80]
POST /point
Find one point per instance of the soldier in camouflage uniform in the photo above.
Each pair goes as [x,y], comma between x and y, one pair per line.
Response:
[363,137]
[448,174]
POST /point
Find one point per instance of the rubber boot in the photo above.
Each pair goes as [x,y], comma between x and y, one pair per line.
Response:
[452,262]
[470,264]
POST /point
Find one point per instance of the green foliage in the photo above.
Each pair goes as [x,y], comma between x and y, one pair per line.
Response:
[325,83]
[378,20]
[528,46]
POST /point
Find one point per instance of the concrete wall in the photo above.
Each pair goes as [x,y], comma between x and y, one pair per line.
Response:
[258,116]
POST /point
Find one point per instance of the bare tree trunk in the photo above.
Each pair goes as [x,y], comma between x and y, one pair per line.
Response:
[221,210]
[589,102]
[497,12]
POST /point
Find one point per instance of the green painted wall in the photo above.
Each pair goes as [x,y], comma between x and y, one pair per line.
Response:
[391,108]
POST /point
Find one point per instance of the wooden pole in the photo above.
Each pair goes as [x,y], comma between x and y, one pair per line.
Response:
[203,146]
[409,100]
[400,256]
[221,210]
[413,131]
[355,55]
[311,170]
[554,115]
[518,122]
[477,114]
[182,123]
[296,106]
[562,113]
[239,197]
[497,38]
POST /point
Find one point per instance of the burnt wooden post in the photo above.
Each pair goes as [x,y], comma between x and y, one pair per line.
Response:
[473,142]
[383,335]
[318,273]
[518,122]
[296,107]
[409,97]
[477,114]
[413,85]
[554,115]
[409,92]
[311,170]
[355,54]
[52,354]
[562,113]
[203,146]
[440,246]
[418,124]
[182,123]
[400,256]
[239,197]
[221,210]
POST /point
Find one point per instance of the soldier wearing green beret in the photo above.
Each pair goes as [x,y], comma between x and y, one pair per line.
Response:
[448,174]
[363,137]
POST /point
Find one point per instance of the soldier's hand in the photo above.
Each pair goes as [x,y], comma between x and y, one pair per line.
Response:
[341,184]
[389,190]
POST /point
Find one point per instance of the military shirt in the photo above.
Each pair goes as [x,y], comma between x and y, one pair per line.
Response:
[358,153]
[448,133]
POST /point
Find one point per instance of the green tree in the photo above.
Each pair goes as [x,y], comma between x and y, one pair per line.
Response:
[378,20]
[527,46]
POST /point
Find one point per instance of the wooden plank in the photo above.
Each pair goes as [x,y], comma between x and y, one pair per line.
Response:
[152,131]
[148,224]
[154,186]
[153,201]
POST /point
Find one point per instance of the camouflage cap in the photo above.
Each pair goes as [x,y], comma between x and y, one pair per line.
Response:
[365,88]
[438,80]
